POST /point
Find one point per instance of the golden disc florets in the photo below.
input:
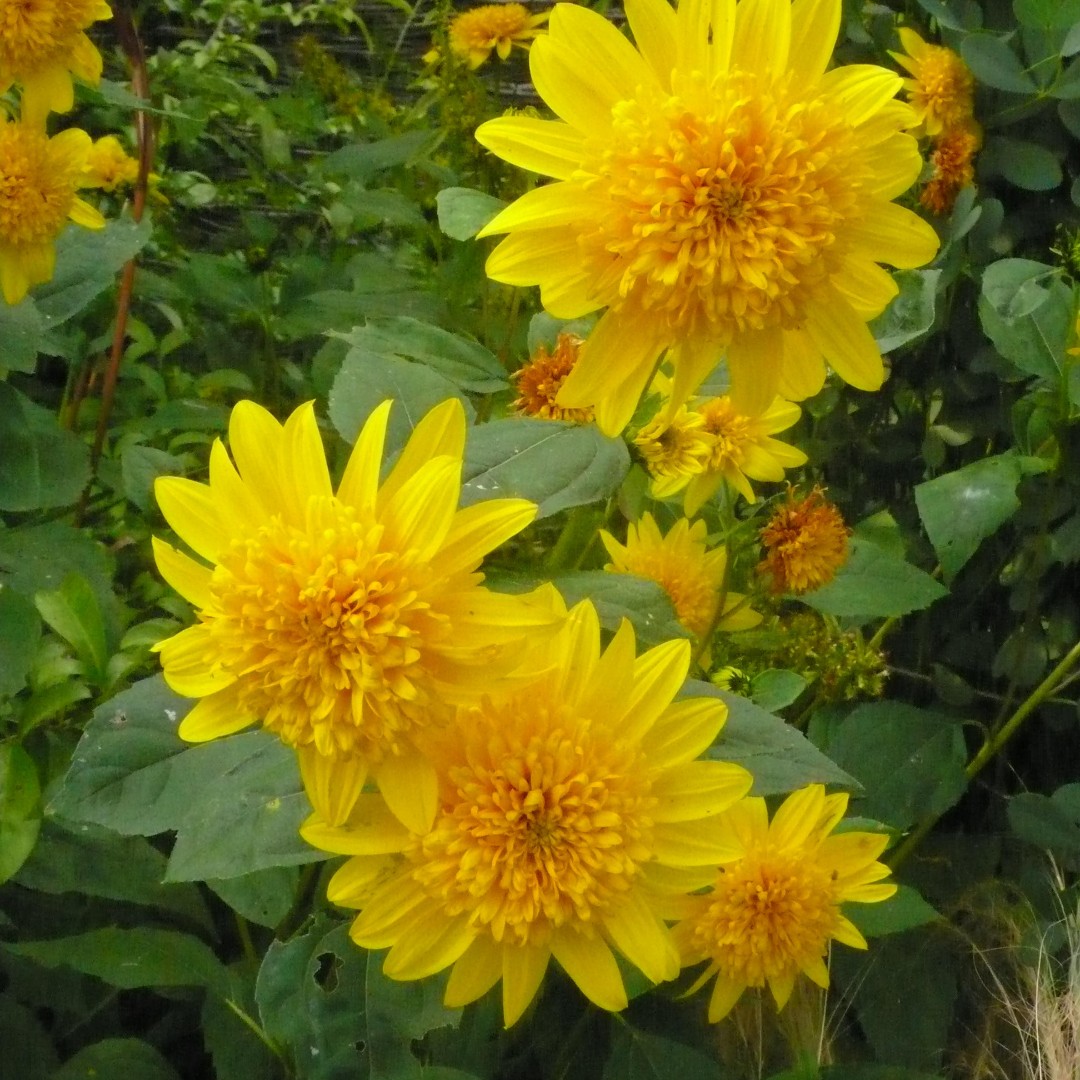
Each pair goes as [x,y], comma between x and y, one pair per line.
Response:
[474,34]
[941,87]
[806,542]
[539,381]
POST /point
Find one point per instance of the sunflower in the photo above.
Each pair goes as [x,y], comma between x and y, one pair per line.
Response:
[941,89]
[571,815]
[109,166]
[718,192]
[499,27]
[685,569]
[42,44]
[775,906]
[343,622]
[806,542]
[39,178]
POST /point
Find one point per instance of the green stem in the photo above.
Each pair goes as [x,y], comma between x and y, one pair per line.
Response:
[582,524]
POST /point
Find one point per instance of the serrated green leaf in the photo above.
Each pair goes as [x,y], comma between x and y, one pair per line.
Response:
[132,958]
[780,758]
[116,1058]
[874,583]
[463,212]
[961,509]
[20,809]
[1048,822]
[909,761]
[263,896]
[624,596]
[1035,343]
[140,466]
[776,688]
[556,465]
[72,611]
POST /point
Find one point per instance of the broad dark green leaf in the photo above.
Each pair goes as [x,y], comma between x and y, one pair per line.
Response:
[1051,822]
[994,63]
[72,611]
[230,1039]
[263,896]
[140,466]
[117,1058]
[909,761]
[360,161]
[556,465]
[1017,287]
[21,331]
[904,911]
[127,959]
[20,809]
[873,1072]
[874,583]
[961,509]
[911,314]
[776,688]
[463,212]
[29,1053]
[1026,164]
[43,465]
[1047,14]
[20,632]
[641,1055]
[624,596]
[1036,342]
[780,758]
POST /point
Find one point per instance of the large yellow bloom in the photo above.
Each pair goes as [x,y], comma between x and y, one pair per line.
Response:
[42,44]
[572,814]
[499,27]
[718,192]
[685,569]
[342,621]
[776,904]
[39,178]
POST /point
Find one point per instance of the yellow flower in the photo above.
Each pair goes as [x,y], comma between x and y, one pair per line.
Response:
[474,33]
[39,177]
[539,380]
[681,564]
[571,816]
[42,44]
[941,88]
[343,622]
[953,157]
[718,191]
[675,447]
[775,905]
[108,166]
[741,449]
[805,543]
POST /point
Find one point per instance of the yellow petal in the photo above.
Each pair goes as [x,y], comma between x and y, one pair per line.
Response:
[579,646]
[725,993]
[588,960]
[477,970]
[420,513]
[846,343]
[190,510]
[371,830]
[893,165]
[410,786]
[699,789]
[353,881]
[392,905]
[255,439]
[802,373]
[869,894]
[781,986]
[304,457]
[653,23]
[611,62]
[658,675]
[755,360]
[797,817]
[184,574]
[581,97]
[866,287]
[360,482]
[188,659]
[684,730]
[332,783]
[847,934]
[548,147]
[891,234]
[430,946]
[479,529]
[762,35]
[548,207]
[642,938]
[860,90]
[817,972]
[532,257]
[522,974]
[612,678]
[706,842]
[239,506]
[814,28]
[214,717]
[441,432]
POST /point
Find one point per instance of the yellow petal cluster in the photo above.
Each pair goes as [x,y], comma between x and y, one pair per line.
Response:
[718,192]
[539,381]
[806,542]
[776,904]
[572,813]
[476,33]
[39,181]
[346,622]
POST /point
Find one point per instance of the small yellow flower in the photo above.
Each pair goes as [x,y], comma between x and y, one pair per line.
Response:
[571,816]
[952,158]
[42,44]
[474,33]
[108,166]
[941,88]
[775,904]
[674,448]
[39,178]
[805,543]
[681,564]
[345,622]
[538,381]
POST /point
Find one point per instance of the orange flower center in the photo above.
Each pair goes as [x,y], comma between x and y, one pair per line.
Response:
[944,86]
[732,432]
[539,381]
[543,821]
[36,191]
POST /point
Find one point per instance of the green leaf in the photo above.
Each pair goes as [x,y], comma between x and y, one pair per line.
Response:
[140,466]
[92,861]
[904,911]
[361,161]
[994,63]
[263,896]
[237,1051]
[776,688]
[781,758]
[1025,164]
[235,803]
[328,1002]
[366,379]
[1047,14]
[556,465]
[21,331]
[44,465]
[873,1072]
[20,632]
[640,1055]
[1036,342]
[19,1026]
[961,509]
[1052,822]
[72,611]
[463,212]
[116,1058]
[20,809]
[1018,287]
[911,314]
[874,583]
[466,363]
[909,761]
[130,958]
[943,12]
[87,262]
[623,596]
